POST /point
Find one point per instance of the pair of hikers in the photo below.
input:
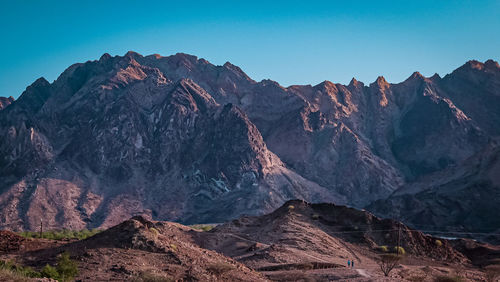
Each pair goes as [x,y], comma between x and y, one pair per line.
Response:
[350,263]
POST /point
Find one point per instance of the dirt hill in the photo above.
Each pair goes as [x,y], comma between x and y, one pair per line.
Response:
[140,249]
[299,241]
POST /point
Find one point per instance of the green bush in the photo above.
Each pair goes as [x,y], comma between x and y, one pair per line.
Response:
[220,268]
[399,250]
[50,272]
[439,243]
[150,277]
[173,247]
[66,267]
[9,275]
[154,231]
[202,227]
[383,249]
[65,270]
[61,234]
[315,216]
[18,270]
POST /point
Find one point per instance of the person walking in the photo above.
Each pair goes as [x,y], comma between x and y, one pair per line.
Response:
[352,263]
[348,263]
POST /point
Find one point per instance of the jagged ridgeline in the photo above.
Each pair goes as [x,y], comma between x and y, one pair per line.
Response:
[178,138]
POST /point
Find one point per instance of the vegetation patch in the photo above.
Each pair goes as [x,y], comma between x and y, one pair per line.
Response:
[383,249]
[65,270]
[61,234]
[148,276]
[220,268]
[9,268]
[154,231]
[299,266]
[388,262]
[399,250]
[202,227]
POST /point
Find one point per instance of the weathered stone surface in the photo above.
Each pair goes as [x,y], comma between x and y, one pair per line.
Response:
[177,138]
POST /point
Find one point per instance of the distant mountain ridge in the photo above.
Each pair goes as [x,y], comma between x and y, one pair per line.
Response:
[178,138]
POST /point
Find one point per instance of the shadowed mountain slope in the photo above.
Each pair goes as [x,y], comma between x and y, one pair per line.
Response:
[177,138]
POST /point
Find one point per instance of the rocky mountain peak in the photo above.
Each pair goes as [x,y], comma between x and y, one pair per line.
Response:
[491,64]
[435,77]
[105,57]
[355,83]
[35,95]
[381,83]
[5,101]
[417,75]
[237,70]
[179,138]
[132,54]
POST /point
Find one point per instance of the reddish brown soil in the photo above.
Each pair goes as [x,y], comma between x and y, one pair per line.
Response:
[314,242]
[10,242]
[134,249]
[298,242]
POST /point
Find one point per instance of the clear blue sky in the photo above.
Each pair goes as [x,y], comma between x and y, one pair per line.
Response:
[292,42]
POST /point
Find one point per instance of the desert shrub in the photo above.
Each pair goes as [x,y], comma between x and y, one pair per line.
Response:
[388,262]
[315,216]
[202,227]
[50,272]
[399,250]
[439,243]
[27,271]
[66,267]
[291,207]
[220,268]
[173,247]
[10,275]
[154,231]
[61,234]
[18,270]
[148,276]
[383,249]
[65,270]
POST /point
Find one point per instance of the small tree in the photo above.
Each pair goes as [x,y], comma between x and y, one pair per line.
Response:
[66,267]
[388,262]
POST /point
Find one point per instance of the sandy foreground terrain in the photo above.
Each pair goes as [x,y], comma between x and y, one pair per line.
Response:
[298,242]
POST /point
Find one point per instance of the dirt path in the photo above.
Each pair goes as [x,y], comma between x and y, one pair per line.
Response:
[349,249]
[267,246]
[363,273]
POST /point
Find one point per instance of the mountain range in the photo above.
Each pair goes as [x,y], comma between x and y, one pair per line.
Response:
[178,138]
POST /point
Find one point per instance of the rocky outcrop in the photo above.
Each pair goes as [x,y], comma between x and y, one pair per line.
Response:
[113,138]
[178,138]
[4,102]
[460,201]
[299,231]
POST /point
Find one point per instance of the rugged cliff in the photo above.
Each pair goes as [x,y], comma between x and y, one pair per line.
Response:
[178,138]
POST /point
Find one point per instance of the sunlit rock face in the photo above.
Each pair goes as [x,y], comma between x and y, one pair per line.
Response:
[177,138]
